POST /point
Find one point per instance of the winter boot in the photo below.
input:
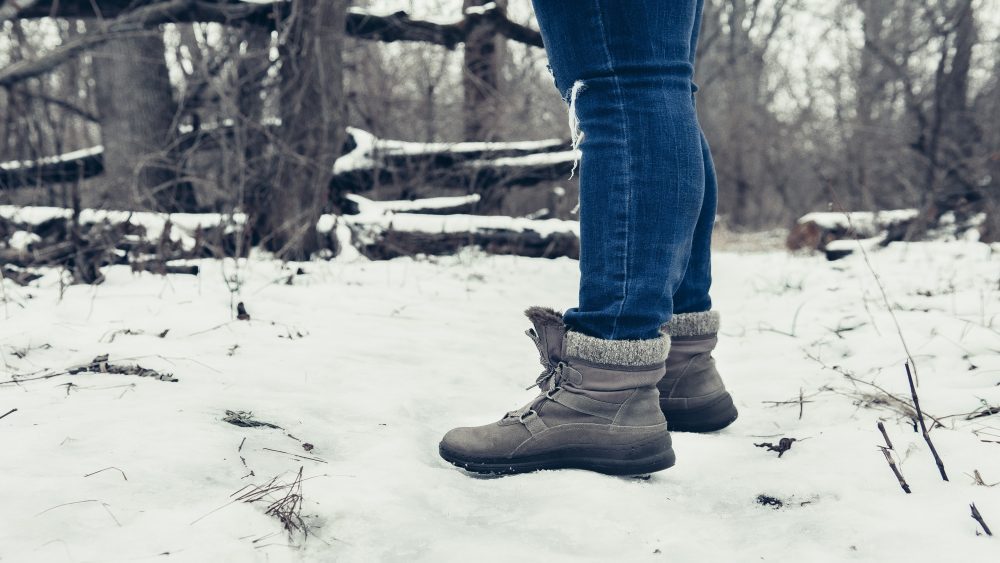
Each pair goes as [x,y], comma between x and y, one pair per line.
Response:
[692,395]
[597,410]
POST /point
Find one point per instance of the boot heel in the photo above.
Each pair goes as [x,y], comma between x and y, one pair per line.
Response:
[714,416]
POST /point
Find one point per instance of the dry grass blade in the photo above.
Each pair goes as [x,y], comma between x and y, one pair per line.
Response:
[287,508]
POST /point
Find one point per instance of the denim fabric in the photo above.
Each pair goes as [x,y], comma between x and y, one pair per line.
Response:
[647,186]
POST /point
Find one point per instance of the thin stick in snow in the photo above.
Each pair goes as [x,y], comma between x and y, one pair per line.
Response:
[892,462]
[895,469]
[923,426]
[885,295]
[8,412]
[105,469]
[979,518]
[881,428]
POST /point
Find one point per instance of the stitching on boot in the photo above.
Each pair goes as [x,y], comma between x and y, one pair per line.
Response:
[622,407]
[693,324]
[617,352]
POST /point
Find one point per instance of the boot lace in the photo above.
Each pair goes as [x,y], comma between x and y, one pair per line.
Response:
[549,381]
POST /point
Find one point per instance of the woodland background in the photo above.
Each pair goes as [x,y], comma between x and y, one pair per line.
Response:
[221,105]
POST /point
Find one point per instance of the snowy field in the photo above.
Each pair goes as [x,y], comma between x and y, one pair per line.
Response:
[362,366]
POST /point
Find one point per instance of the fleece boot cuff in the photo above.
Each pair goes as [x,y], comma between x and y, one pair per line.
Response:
[693,324]
[624,353]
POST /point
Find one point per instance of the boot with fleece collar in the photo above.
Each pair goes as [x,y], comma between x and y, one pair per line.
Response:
[597,410]
[692,395]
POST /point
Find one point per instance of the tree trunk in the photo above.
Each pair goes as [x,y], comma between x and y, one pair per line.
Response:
[137,113]
[312,132]
[953,171]
[481,77]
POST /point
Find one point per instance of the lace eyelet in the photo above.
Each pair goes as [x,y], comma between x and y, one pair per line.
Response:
[549,394]
[525,415]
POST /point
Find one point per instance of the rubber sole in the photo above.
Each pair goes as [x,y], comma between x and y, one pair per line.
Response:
[711,417]
[659,455]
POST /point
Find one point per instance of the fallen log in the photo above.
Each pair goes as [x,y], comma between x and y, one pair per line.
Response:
[84,242]
[366,164]
[472,167]
[815,231]
[68,167]
[382,237]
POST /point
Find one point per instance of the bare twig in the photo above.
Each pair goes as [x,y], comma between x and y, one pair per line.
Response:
[923,426]
[895,470]
[105,469]
[885,296]
[881,428]
[889,459]
[979,518]
[297,456]
[8,412]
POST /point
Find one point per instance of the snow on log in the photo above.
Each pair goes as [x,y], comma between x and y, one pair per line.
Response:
[379,233]
[367,163]
[468,165]
[428,206]
[68,167]
[84,242]
[815,231]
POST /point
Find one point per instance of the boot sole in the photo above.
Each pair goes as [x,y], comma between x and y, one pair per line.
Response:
[714,416]
[608,460]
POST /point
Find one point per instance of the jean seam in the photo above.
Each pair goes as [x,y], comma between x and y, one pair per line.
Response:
[628,168]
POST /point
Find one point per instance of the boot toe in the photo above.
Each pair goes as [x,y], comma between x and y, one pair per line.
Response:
[490,441]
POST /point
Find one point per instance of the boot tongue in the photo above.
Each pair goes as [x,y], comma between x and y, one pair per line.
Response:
[548,334]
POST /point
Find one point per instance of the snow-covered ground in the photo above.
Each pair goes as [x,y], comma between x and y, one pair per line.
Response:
[371,363]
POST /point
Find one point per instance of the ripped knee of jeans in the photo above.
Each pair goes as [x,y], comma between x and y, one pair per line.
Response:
[575,133]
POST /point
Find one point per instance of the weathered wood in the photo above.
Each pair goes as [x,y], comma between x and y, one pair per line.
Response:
[393,243]
[77,166]
[466,167]
[816,230]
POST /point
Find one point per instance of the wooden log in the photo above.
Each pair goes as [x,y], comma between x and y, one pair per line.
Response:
[69,167]
[393,236]
[815,231]
[366,163]
[394,244]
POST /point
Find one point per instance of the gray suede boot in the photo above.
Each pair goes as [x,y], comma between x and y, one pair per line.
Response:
[692,395]
[597,410]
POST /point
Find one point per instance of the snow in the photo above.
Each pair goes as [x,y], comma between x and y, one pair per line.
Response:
[65,157]
[367,145]
[22,240]
[366,205]
[861,221]
[183,225]
[540,159]
[371,362]
[457,223]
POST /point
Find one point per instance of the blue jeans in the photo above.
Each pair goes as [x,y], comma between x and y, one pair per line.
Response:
[647,184]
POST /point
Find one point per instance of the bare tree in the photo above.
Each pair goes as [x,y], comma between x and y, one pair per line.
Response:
[312,128]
